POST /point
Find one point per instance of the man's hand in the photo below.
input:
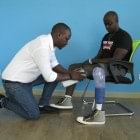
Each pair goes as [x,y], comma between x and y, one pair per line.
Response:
[75,75]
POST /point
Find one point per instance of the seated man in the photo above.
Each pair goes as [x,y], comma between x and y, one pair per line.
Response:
[115,45]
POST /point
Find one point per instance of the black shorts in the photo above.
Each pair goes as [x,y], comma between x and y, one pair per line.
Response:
[119,71]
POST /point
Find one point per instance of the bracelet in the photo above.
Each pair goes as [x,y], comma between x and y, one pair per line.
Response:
[90,61]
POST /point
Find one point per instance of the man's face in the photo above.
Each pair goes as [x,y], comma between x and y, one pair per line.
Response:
[63,39]
[111,24]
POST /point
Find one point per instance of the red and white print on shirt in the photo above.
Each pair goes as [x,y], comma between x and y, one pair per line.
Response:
[107,45]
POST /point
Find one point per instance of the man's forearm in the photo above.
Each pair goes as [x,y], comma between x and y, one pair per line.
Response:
[60,69]
[63,77]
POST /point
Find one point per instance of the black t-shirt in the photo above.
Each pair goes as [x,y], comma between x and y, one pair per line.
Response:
[120,39]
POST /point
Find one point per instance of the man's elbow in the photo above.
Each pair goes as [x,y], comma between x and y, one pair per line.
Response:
[51,78]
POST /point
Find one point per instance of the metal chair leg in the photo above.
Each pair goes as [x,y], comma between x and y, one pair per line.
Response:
[127,111]
[84,93]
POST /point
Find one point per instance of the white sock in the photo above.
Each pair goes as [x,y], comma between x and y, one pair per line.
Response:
[99,106]
[41,105]
[68,96]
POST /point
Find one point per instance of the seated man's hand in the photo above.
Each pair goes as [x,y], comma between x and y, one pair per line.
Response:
[75,75]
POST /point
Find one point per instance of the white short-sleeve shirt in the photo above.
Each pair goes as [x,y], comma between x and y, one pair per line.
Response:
[35,58]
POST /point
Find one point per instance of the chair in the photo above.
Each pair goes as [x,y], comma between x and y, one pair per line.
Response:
[127,79]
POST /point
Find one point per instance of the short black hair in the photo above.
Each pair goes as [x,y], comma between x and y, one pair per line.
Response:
[60,26]
[112,13]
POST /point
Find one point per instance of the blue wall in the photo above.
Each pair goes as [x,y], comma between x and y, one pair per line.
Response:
[21,21]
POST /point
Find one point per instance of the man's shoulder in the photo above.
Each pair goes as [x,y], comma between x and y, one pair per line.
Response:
[44,36]
[40,42]
[124,33]
[45,39]
[106,35]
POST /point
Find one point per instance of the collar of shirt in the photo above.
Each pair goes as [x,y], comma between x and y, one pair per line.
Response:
[51,42]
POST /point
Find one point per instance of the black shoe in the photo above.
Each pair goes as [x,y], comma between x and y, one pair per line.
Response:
[48,109]
[1,97]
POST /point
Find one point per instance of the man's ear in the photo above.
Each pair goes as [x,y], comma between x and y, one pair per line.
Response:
[57,36]
[60,34]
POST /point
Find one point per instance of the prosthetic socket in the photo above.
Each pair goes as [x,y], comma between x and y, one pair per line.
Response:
[99,79]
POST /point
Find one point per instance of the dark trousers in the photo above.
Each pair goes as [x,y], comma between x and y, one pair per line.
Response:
[20,97]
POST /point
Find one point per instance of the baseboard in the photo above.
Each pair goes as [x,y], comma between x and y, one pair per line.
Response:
[89,93]
[1,89]
[110,94]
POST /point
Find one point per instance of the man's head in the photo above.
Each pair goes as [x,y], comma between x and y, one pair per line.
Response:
[111,21]
[61,33]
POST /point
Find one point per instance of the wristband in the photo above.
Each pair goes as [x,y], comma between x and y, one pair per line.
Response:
[90,61]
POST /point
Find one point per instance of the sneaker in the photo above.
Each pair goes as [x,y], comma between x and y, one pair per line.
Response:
[1,97]
[63,103]
[48,109]
[96,117]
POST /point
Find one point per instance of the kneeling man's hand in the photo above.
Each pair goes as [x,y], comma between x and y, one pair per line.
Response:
[76,75]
